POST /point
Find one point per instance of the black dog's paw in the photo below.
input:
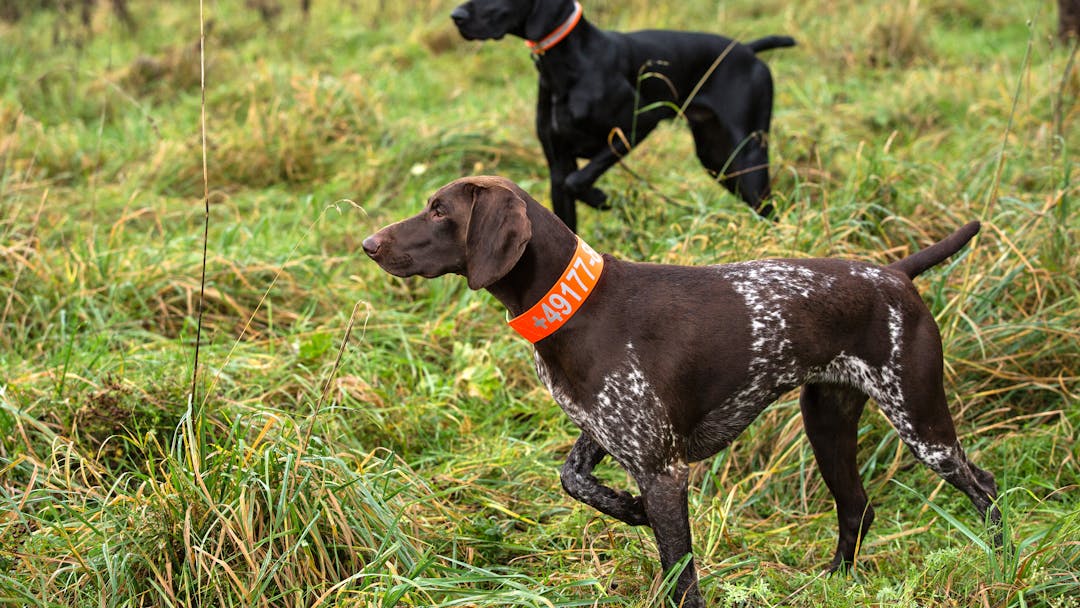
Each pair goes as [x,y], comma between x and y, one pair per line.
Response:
[578,185]
[595,198]
[840,566]
[767,212]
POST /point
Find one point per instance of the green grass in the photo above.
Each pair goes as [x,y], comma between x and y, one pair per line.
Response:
[415,463]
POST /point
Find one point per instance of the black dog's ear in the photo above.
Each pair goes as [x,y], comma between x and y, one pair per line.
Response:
[499,229]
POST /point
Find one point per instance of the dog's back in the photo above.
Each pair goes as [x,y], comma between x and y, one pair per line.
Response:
[685,59]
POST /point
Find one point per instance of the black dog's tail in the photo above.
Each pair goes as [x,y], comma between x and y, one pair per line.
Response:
[918,263]
[770,42]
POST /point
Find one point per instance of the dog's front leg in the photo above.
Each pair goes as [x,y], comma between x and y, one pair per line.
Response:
[579,482]
[630,126]
[579,184]
[561,160]
[665,496]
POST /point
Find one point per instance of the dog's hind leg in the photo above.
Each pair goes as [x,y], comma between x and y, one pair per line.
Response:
[579,482]
[831,419]
[740,162]
[749,172]
[919,411]
[934,443]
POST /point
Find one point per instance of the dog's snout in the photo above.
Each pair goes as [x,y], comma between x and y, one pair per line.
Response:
[460,14]
[371,245]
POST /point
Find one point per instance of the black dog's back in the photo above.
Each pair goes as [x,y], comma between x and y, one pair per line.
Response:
[685,61]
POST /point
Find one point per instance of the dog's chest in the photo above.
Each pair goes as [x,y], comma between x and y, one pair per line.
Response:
[577,128]
[582,110]
[623,413]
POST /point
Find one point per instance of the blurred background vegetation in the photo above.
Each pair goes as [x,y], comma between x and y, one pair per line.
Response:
[356,439]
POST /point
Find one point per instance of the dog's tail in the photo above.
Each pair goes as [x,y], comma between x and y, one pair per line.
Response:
[918,263]
[770,42]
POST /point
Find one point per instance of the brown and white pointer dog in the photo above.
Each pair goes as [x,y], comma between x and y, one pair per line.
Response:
[594,82]
[664,365]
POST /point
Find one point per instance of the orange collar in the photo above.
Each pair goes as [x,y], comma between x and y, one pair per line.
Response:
[546,43]
[564,298]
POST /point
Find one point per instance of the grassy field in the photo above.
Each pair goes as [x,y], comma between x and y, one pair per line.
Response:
[360,440]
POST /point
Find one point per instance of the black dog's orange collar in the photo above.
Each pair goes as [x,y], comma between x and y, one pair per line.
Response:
[546,43]
[564,298]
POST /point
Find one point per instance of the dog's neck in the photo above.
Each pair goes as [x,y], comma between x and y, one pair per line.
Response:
[570,49]
[541,264]
[554,34]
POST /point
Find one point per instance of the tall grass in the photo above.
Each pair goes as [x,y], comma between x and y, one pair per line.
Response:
[365,440]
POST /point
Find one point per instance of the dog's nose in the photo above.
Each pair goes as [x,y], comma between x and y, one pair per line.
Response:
[460,14]
[371,245]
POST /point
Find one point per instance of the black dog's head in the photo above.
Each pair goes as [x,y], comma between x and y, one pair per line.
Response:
[493,19]
[474,226]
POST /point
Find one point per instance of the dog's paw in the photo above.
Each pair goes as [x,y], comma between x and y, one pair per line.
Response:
[581,188]
[595,198]
[840,566]
[767,212]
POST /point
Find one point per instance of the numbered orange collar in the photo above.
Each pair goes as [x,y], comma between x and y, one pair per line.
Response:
[564,298]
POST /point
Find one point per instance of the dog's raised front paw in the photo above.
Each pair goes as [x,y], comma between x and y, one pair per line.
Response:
[581,189]
[595,198]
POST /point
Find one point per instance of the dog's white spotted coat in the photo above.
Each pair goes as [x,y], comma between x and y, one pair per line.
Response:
[626,416]
[768,287]
[875,275]
[882,383]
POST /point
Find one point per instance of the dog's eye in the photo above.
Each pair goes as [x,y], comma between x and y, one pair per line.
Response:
[437,210]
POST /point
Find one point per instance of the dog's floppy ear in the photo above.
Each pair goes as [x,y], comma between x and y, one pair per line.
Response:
[499,229]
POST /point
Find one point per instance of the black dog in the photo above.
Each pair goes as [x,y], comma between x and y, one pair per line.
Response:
[594,82]
[665,365]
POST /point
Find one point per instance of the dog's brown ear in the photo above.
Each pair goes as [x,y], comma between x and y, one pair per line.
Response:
[499,229]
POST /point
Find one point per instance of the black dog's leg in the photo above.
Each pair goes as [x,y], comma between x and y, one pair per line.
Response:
[665,503]
[560,163]
[749,173]
[740,162]
[580,182]
[578,481]
[617,145]
[831,419]
[562,200]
